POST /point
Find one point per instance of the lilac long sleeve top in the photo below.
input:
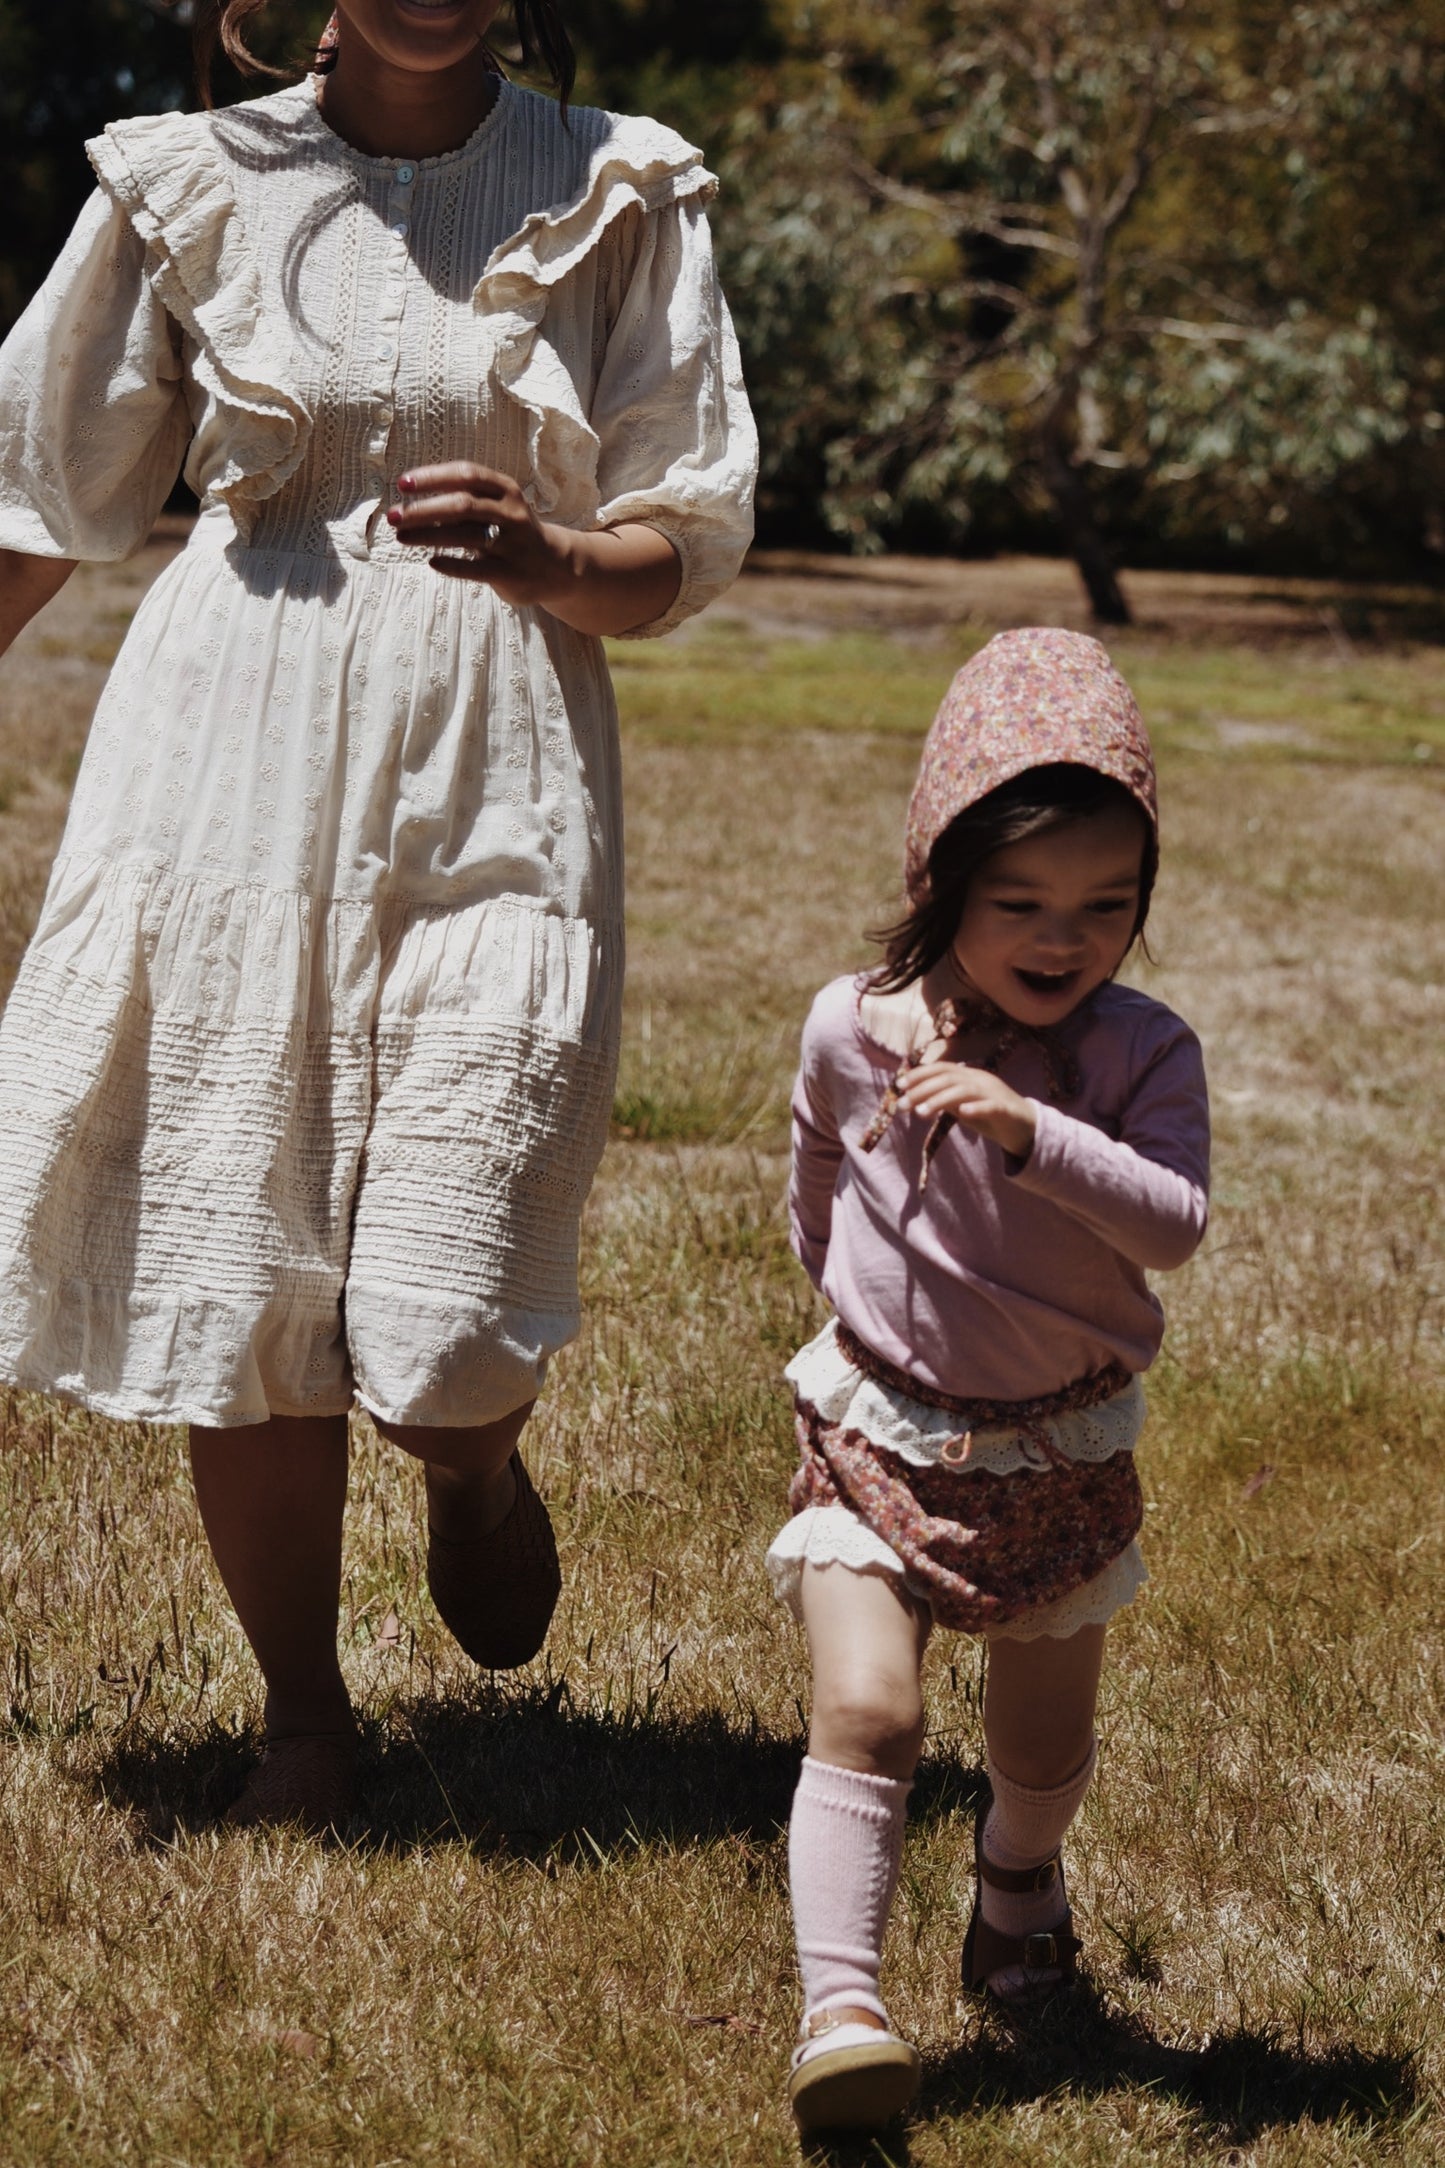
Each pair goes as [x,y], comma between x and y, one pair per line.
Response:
[1006,1279]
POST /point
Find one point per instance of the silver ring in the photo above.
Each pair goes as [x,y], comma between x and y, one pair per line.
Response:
[477,556]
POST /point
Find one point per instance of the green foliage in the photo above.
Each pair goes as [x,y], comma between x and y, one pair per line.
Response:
[64,72]
[1141,277]
[1128,266]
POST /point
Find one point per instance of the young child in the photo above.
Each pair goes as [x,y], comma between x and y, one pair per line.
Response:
[308,1068]
[992,1143]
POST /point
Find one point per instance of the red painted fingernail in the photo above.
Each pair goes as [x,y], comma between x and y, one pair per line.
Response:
[405,481]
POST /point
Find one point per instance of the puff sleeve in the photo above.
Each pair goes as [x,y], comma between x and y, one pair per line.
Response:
[93,417]
[678,449]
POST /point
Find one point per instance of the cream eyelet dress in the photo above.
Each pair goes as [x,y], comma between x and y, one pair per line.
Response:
[307,1070]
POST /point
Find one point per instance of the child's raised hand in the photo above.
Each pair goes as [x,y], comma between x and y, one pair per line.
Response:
[975,1097]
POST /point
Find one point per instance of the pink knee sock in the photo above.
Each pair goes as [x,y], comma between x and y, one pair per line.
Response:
[1024,1828]
[845,1841]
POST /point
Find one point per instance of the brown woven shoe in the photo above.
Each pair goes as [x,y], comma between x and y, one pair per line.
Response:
[307,1783]
[497,1592]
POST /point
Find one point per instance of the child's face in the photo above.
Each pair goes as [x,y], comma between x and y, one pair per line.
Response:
[1049,919]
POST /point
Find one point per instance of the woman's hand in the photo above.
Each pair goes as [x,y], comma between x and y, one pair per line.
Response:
[477,525]
[975,1097]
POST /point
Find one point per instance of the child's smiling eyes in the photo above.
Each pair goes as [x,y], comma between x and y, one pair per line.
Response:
[1106,907]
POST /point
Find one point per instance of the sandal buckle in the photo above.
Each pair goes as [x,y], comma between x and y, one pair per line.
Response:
[818,2022]
[1040,1951]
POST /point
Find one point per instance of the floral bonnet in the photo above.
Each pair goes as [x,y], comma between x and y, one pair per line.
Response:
[1027,699]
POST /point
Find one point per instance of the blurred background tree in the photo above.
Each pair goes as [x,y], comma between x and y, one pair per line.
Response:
[1141,280]
[1098,273]
[69,66]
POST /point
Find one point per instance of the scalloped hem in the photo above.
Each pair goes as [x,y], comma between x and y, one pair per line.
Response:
[834,1536]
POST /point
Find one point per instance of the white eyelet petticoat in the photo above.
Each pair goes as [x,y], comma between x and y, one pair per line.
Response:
[832,1535]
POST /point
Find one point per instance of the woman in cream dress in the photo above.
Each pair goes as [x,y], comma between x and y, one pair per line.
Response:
[308,1067]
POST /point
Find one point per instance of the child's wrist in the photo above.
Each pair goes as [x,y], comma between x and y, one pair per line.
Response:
[1021,1134]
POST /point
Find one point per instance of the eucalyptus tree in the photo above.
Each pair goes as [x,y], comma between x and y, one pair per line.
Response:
[1039,248]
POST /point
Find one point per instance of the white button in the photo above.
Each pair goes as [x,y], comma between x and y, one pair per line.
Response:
[385,351]
[405,175]
[401,227]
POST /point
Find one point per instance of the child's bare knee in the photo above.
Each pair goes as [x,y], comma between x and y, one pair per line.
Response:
[869,1722]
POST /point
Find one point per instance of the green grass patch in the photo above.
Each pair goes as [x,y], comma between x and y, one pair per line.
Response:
[1287,703]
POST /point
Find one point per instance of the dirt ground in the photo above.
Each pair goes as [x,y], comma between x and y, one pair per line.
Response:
[795,590]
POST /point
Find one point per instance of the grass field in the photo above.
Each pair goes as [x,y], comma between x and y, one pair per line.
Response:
[559,1932]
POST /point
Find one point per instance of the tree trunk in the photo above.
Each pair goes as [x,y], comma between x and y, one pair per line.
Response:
[1087,547]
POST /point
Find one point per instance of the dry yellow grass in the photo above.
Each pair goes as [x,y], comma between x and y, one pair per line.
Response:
[559,1933]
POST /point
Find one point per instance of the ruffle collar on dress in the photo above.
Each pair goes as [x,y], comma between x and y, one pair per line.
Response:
[169,176]
[635,163]
[169,172]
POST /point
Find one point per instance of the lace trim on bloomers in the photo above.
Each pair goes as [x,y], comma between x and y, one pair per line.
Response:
[833,1535]
[821,1374]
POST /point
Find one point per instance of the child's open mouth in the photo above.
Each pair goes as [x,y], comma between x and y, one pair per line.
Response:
[1047,982]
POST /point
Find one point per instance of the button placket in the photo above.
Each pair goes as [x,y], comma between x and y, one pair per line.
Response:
[387,349]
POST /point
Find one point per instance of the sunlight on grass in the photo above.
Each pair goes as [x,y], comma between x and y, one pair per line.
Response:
[558,1932]
[738,688]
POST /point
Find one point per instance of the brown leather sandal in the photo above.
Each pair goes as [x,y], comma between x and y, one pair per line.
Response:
[986,1949]
[307,1783]
[496,1593]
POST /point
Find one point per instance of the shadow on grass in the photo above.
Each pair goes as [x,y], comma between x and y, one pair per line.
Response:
[522,1773]
[517,1772]
[1235,2086]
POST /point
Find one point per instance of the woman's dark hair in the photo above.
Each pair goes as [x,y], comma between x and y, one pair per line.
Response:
[1031,804]
[542,36]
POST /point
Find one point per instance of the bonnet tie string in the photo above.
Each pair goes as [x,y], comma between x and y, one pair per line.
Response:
[951,1019]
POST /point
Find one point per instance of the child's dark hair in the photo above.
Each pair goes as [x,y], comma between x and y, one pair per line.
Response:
[1041,799]
[541,34]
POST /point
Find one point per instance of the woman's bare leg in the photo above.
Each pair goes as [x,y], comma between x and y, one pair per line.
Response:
[491,1556]
[470,1485]
[272,1497]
